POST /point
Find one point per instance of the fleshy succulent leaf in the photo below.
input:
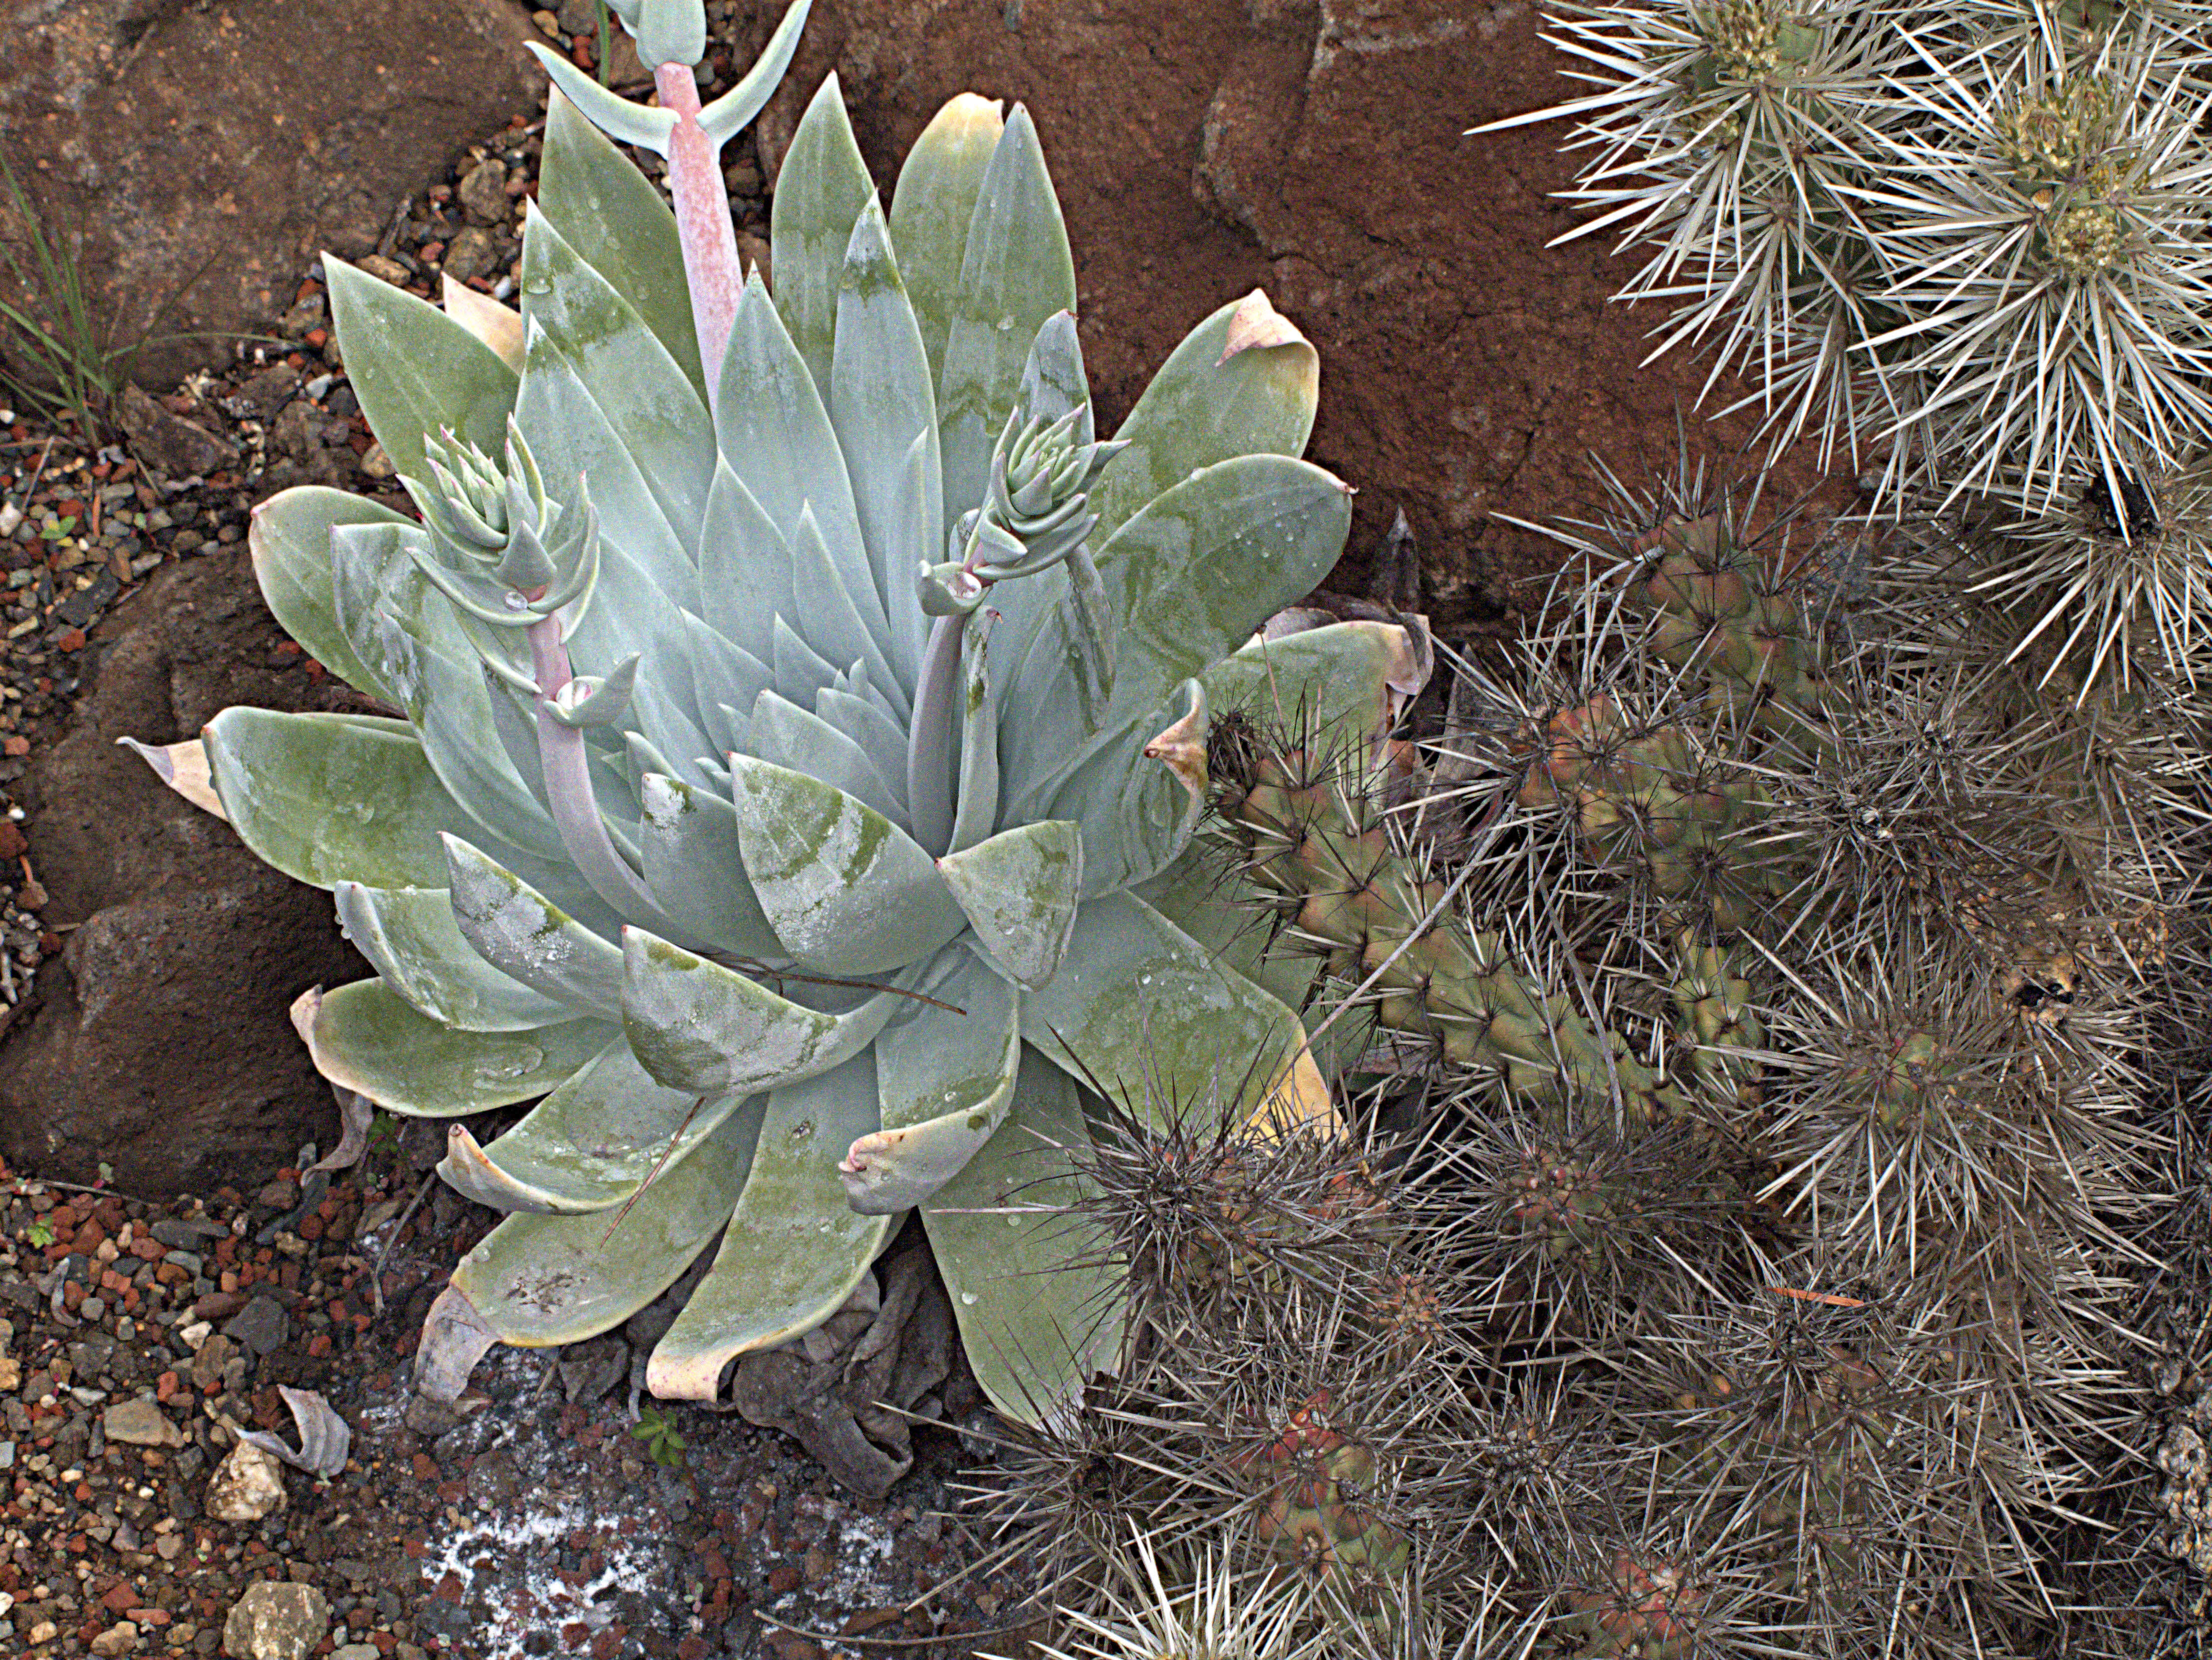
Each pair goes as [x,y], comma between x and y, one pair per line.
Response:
[1203,407]
[404,633]
[290,541]
[1192,576]
[648,404]
[683,831]
[1019,891]
[1032,1279]
[670,32]
[367,1038]
[932,206]
[846,891]
[820,192]
[415,371]
[795,1249]
[498,327]
[612,216]
[733,112]
[944,1077]
[777,436]
[697,1026]
[1201,1032]
[411,939]
[640,124]
[541,1279]
[882,404]
[592,1144]
[332,798]
[525,935]
[1335,682]
[1015,273]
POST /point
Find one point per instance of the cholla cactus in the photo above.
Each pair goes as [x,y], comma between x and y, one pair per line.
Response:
[796,689]
[1962,237]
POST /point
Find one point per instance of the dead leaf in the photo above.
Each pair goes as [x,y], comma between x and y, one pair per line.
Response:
[324,1439]
[1256,324]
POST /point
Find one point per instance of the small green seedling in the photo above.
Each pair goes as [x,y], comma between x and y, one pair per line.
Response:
[664,1442]
[41,1233]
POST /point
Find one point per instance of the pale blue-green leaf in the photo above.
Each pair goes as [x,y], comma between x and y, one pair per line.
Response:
[945,1079]
[1201,410]
[670,32]
[612,216]
[745,567]
[847,890]
[664,703]
[1019,891]
[403,632]
[539,1280]
[415,369]
[697,1025]
[842,614]
[914,535]
[795,1249]
[733,112]
[881,739]
[571,437]
[1226,914]
[976,812]
[688,842]
[641,125]
[1052,379]
[520,932]
[332,798]
[411,939]
[290,542]
[591,1144]
[790,737]
[1147,1011]
[1032,1278]
[1138,802]
[932,207]
[801,671]
[882,406]
[1190,578]
[1331,686]
[1135,814]
[774,432]
[1015,273]
[723,674]
[820,191]
[648,403]
[366,1037]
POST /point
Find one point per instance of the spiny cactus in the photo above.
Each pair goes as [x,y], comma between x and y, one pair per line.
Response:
[1788,1251]
[1960,235]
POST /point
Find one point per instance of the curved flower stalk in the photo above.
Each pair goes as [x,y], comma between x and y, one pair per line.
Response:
[796,692]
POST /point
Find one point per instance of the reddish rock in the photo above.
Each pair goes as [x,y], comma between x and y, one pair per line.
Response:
[215,150]
[158,1043]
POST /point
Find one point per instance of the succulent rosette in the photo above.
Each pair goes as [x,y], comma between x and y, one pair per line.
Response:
[800,725]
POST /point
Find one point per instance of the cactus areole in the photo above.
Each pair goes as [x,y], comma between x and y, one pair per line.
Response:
[802,711]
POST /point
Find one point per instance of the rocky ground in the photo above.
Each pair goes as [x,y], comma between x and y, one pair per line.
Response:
[137,1339]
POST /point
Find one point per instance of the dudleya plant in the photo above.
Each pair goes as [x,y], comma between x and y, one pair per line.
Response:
[803,724]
